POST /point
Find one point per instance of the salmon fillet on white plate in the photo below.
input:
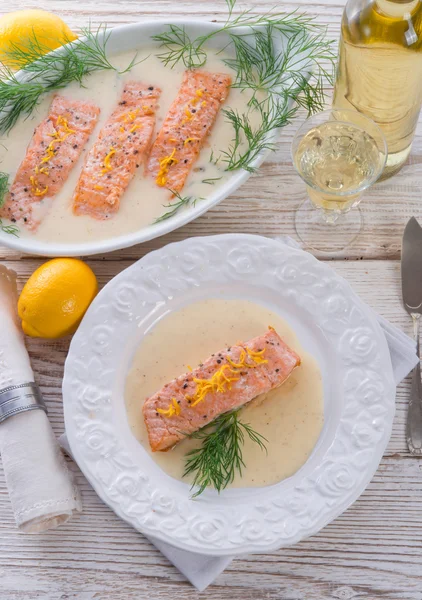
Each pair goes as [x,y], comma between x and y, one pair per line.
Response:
[55,147]
[121,148]
[225,381]
[186,127]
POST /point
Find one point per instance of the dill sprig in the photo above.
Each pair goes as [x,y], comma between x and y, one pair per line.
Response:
[249,140]
[220,456]
[280,81]
[180,47]
[4,187]
[283,76]
[176,206]
[46,71]
[211,180]
[10,229]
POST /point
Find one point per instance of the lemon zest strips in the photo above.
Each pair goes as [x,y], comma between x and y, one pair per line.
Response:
[106,163]
[193,102]
[190,139]
[36,190]
[198,95]
[98,187]
[173,409]
[62,132]
[130,115]
[222,379]
[188,114]
[219,382]
[165,164]
[256,356]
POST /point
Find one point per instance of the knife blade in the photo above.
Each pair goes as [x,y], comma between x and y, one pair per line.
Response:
[411,276]
[411,267]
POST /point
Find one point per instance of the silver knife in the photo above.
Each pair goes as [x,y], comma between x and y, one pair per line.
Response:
[411,276]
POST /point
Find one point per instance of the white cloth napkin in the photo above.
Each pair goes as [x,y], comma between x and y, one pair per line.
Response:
[202,570]
[40,485]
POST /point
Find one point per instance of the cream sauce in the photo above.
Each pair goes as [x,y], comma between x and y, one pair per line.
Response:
[143,201]
[290,417]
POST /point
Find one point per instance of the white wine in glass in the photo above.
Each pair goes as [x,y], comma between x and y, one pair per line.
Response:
[338,155]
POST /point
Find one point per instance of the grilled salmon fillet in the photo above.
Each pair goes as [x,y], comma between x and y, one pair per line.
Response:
[52,153]
[186,127]
[121,148]
[225,381]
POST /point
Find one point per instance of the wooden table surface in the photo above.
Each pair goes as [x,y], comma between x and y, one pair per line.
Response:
[374,550]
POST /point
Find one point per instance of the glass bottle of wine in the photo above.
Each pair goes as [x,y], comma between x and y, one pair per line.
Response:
[380,69]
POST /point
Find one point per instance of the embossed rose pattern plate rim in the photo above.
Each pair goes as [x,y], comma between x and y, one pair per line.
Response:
[258,519]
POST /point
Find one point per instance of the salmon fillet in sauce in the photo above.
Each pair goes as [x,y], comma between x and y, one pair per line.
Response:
[121,148]
[186,127]
[225,381]
[55,147]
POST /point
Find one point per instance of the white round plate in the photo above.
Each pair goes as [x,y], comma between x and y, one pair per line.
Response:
[331,323]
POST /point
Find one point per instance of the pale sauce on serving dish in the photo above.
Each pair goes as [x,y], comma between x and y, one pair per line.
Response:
[290,417]
[143,201]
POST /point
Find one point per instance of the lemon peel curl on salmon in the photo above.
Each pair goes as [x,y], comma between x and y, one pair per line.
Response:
[225,381]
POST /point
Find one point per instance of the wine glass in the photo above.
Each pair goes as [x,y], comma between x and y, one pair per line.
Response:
[338,153]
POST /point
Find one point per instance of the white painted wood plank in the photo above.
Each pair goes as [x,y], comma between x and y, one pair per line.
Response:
[371,552]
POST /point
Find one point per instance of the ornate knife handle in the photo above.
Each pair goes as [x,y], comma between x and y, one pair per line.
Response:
[414,416]
[20,398]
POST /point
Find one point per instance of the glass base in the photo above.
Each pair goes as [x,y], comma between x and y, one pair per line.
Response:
[329,238]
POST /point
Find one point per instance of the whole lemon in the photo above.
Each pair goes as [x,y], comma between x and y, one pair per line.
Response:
[56,297]
[21,28]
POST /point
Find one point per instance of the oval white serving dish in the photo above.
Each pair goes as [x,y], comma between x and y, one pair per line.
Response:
[122,39]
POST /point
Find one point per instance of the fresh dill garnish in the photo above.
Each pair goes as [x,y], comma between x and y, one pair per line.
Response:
[46,71]
[4,187]
[280,81]
[180,48]
[211,180]
[281,59]
[220,456]
[176,206]
[213,159]
[10,229]
[249,140]
[230,5]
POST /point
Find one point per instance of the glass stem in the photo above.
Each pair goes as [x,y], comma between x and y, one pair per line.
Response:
[330,216]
